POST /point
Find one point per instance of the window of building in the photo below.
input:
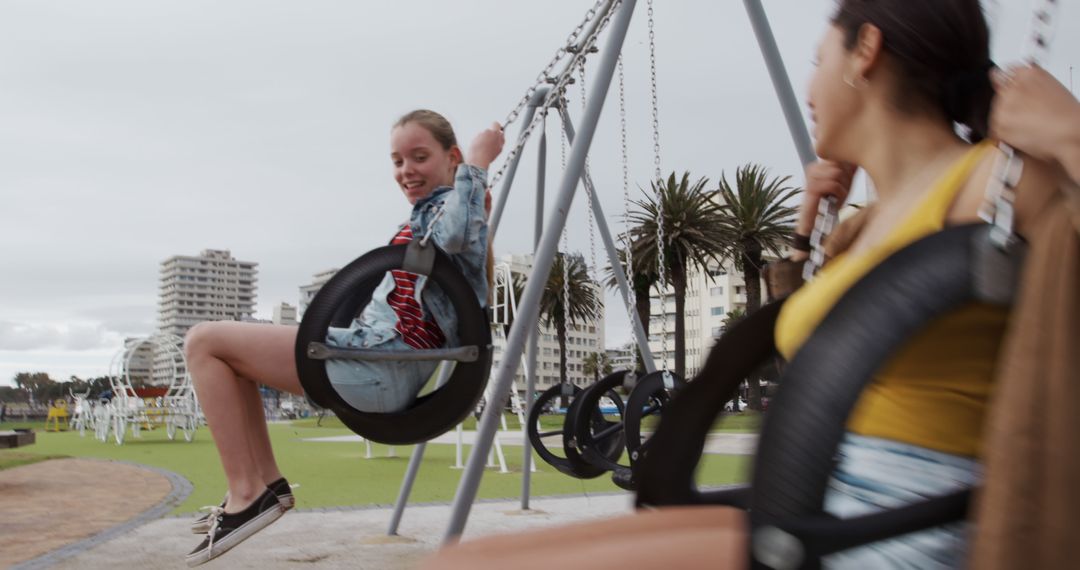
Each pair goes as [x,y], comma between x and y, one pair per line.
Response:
[717,331]
[547,351]
[717,311]
[716,291]
[740,290]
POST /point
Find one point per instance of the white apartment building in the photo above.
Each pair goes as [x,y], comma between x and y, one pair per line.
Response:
[582,339]
[212,286]
[621,358]
[307,292]
[710,296]
[284,314]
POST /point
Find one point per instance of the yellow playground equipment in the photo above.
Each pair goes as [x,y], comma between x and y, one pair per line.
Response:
[57,420]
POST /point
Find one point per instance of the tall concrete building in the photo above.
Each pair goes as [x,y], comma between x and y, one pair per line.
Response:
[284,314]
[621,358]
[582,339]
[710,295]
[307,292]
[212,286]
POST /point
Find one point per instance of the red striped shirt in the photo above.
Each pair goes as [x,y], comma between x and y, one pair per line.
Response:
[416,331]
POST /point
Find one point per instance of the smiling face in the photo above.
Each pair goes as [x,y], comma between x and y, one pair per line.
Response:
[421,164]
[834,104]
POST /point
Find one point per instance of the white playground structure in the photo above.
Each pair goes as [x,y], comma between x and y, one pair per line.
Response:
[177,409]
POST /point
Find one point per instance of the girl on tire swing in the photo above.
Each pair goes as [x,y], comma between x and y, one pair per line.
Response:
[228,360]
[893,78]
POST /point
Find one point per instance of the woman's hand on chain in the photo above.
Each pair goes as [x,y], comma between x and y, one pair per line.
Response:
[823,178]
[1036,114]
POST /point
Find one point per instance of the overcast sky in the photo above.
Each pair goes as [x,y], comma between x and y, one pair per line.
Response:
[131,131]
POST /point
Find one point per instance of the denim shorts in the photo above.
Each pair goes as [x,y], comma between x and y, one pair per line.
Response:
[379,387]
[875,474]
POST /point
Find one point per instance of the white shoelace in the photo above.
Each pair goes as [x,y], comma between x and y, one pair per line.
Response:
[216,512]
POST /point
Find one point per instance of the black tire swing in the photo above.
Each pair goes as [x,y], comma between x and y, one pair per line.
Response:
[649,397]
[571,462]
[596,440]
[344,297]
[819,388]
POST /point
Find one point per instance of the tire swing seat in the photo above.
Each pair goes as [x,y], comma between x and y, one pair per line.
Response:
[596,442]
[818,390]
[344,297]
[572,462]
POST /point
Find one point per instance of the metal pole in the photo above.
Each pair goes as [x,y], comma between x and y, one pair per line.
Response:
[530,370]
[406,488]
[781,82]
[414,462]
[545,256]
[613,254]
[508,179]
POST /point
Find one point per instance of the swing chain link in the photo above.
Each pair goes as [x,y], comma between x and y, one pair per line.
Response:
[431,226]
[997,206]
[544,74]
[564,357]
[827,215]
[658,180]
[593,269]
[560,82]
[629,302]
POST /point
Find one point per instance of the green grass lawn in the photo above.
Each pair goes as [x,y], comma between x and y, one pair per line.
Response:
[331,474]
[747,422]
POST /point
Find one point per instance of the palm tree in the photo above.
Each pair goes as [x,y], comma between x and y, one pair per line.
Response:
[581,300]
[641,282]
[692,236]
[755,219]
[597,364]
[733,316]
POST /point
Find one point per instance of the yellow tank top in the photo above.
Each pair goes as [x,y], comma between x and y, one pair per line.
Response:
[933,392]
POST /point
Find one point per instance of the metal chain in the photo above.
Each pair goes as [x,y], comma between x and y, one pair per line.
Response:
[997,207]
[626,211]
[652,86]
[827,215]
[658,180]
[565,262]
[559,54]
[560,82]
[593,269]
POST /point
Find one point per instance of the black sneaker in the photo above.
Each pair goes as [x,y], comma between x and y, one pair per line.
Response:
[281,488]
[228,530]
[202,524]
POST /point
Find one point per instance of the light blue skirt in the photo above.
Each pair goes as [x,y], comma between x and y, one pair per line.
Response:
[875,474]
[377,387]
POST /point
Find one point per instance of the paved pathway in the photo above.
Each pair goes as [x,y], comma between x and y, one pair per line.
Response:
[354,539]
[45,506]
[86,513]
[717,443]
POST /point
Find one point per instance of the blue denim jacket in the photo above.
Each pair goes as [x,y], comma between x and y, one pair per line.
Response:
[460,232]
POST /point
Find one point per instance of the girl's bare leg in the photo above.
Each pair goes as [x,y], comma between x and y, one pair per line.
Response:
[226,359]
[261,452]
